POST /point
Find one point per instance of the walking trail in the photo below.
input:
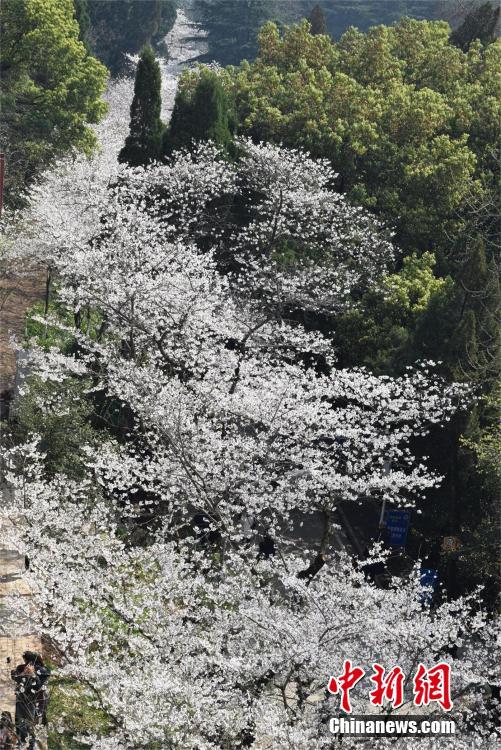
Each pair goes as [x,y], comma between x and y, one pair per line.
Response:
[18,292]
[16,631]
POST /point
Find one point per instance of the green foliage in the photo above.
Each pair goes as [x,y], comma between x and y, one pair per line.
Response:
[120,27]
[473,274]
[479,282]
[144,142]
[45,334]
[64,426]
[489,318]
[202,111]
[486,441]
[380,332]
[432,341]
[480,23]
[407,119]
[72,702]
[70,420]
[49,335]
[407,293]
[481,442]
[51,89]
[460,327]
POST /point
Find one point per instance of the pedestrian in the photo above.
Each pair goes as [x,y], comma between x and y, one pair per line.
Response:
[8,738]
[31,679]
[43,674]
[267,547]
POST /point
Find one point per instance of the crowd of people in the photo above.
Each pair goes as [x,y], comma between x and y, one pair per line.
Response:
[32,697]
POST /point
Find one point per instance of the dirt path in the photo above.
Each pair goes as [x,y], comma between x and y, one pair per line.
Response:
[19,290]
[17,633]
[16,630]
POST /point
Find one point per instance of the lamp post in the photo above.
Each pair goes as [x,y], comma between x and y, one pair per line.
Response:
[386,471]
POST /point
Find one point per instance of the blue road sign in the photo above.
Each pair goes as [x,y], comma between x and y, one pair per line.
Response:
[428,577]
[397,526]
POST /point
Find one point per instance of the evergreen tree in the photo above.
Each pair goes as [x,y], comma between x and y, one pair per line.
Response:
[201,115]
[144,142]
[83,18]
[480,23]
[317,20]
[489,326]
[465,346]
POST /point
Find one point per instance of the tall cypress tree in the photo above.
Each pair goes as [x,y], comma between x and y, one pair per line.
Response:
[205,115]
[480,23]
[465,346]
[83,18]
[317,21]
[144,142]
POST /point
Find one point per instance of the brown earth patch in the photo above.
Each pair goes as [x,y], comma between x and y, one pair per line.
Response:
[19,290]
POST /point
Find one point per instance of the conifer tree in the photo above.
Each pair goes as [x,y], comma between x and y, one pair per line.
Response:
[317,20]
[465,345]
[489,326]
[203,115]
[144,142]
[83,18]
[480,23]
[473,275]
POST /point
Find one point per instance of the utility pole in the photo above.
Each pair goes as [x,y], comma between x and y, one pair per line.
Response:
[2,171]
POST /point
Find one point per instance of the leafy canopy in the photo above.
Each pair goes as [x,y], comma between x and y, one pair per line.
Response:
[51,88]
[407,119]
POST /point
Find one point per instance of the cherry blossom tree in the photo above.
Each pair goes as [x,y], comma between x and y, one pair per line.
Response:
[235,414]
[242,403]
[185,649]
